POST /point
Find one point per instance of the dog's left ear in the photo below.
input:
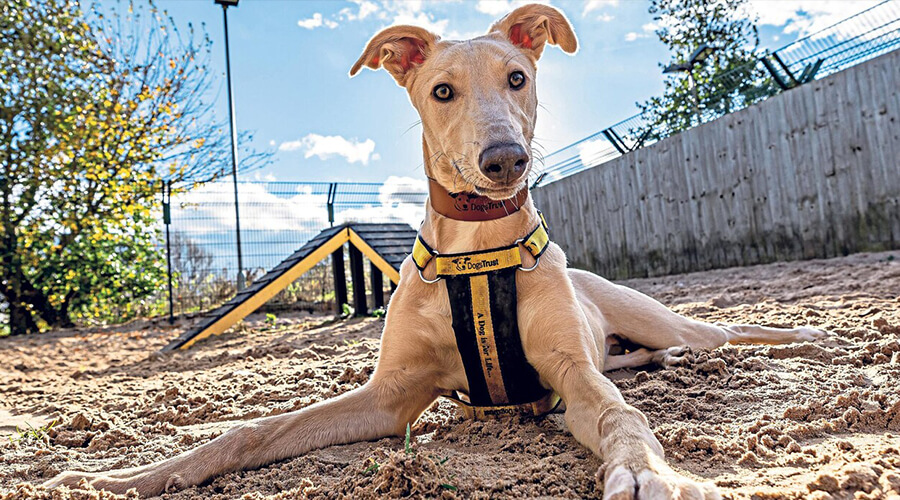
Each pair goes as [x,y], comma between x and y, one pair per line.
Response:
[532,26]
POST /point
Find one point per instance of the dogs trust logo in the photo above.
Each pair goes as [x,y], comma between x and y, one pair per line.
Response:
[465,202]
[464,264]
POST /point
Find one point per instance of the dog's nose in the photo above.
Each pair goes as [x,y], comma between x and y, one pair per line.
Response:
[503,162]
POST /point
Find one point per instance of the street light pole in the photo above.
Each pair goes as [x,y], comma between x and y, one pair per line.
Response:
[695,59]
[694,94]
[241,281]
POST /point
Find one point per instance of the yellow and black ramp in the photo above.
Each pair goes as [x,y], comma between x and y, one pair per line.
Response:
[386,245]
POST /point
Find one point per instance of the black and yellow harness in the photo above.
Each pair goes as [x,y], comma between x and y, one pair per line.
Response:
[481,287]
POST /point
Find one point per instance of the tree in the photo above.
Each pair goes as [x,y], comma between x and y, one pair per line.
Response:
[97,109]
[729,79]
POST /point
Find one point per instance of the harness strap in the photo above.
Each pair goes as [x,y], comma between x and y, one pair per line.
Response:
[481,288]
[540,407]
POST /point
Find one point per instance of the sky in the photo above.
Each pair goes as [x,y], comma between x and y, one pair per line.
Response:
[290,63]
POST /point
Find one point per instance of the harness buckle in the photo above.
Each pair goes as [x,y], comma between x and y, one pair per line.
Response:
[430,282]
[537,260]
[434,254]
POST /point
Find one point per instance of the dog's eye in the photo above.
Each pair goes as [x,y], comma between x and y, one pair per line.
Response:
[516,80]
[442,92]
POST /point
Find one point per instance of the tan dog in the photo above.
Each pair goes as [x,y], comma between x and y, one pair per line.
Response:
[478,104]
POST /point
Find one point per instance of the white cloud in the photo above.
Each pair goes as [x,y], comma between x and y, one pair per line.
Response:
[422,19]
[605,18]
[414,12]
[399,198]
[806,16]
[493,7]
[646,31]
[366,8]
[388,11]
[592,5]
[502,7]
[326,147]
[292,213]
[316,21]
[259,177]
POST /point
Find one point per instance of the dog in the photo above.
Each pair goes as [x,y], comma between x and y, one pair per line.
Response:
[477,100]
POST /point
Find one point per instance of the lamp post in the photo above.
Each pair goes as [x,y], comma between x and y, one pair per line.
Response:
[697,57]
[241,281]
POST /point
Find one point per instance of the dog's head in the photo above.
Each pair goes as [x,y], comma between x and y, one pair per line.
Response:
[476,98]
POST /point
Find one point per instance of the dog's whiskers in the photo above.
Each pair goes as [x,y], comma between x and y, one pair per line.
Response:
[414,125]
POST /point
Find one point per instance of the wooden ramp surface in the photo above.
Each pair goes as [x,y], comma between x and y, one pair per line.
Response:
[386,245]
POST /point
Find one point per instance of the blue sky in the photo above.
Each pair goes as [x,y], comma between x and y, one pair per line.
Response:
[290,61]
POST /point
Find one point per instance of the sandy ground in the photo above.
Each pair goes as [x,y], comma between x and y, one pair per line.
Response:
[777,422]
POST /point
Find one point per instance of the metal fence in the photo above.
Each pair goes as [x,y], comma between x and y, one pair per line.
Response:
[861,37]
[277,218]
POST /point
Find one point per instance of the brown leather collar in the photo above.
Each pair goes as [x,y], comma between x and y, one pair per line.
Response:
[472,207]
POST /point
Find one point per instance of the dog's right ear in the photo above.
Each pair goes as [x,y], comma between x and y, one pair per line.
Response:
[399,49]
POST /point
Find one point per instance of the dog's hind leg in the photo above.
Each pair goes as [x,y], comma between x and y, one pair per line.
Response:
[755,334]
[644,321]
[665,358]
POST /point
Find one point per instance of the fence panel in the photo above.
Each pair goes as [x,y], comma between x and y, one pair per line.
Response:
[809,173]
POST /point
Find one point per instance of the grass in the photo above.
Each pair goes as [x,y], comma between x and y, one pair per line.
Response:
[406,444]
[372,468]
[32,433]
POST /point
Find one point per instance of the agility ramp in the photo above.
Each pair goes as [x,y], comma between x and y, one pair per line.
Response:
[386,245]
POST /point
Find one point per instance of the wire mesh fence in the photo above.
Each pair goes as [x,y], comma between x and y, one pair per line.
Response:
[868,34]
[276,218]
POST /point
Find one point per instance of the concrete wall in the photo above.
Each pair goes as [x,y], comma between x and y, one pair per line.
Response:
[813,172]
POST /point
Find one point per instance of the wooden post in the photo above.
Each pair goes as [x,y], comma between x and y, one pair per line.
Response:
[358,278]
[377,286]
[340,280]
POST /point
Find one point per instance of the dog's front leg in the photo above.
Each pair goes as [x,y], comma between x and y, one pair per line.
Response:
[600,419]
[560,344]
[380,408]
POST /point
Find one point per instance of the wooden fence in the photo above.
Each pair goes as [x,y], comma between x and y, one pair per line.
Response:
[813,172]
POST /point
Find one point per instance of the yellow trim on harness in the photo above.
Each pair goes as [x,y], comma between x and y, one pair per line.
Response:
[484,332]
[479,262]
[537,241]
[421,253]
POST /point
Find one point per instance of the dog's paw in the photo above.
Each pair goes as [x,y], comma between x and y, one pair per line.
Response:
[807,334]
[660,482]
[671,356]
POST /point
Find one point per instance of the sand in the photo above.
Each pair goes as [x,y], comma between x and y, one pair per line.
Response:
[796,421]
